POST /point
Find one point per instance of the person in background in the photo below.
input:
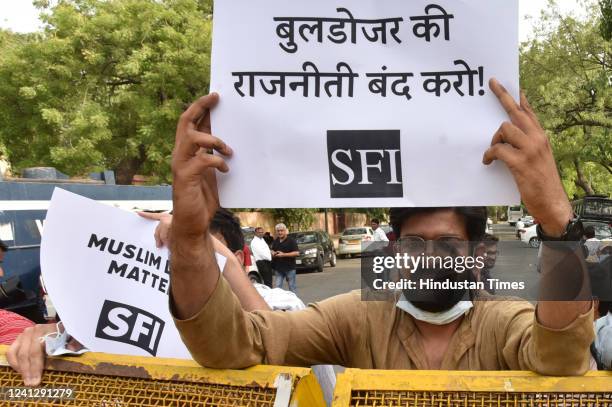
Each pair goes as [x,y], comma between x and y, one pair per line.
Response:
[379,234]
[488,250]
[284,252]
[11,326]
[268,238]
[592,244]
[519,225]
[263,256]
[391,236]
[246,250]
[3,250]
[602,346]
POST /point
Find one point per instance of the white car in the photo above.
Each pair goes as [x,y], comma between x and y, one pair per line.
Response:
[352,239]
[528,219]
[530,236]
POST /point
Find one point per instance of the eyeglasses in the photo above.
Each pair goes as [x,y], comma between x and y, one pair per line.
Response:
[443,245]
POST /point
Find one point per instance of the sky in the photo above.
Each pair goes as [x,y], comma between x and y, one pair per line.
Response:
[21,16]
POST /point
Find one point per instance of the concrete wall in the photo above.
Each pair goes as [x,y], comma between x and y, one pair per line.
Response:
[336,222]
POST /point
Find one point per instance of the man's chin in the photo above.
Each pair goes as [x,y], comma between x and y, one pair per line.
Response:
[434,306]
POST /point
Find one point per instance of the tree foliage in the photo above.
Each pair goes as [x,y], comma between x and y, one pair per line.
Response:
[103,85]
[566,72]
[606,19]
[296,219]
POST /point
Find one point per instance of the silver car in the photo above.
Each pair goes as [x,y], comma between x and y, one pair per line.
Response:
[352,240]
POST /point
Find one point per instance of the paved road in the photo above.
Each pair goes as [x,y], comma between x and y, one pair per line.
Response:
[516,262]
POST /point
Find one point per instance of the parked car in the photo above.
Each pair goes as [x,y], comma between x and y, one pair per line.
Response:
[603,232]
[530,236]
[352,240]
[316,249]
[527,219]
[594,207]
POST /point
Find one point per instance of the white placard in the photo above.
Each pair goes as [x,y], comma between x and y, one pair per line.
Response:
[107,280]
[296,149]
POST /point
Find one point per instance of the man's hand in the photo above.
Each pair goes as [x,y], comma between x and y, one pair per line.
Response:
[523,145]
[27,354]
[195,200]
[162,231]
[194,185]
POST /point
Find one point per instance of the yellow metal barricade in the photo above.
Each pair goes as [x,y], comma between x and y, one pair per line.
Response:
[365,388]
[105,380]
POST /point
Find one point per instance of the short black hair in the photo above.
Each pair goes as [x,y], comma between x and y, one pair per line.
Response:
[475,218]
[589,232]
[3,247]
[490,239]
[228,225]
[375,220]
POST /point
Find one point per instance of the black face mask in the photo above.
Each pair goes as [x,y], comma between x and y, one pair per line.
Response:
[433,300]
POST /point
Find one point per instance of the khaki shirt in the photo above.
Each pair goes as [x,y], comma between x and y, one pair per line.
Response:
[344,330]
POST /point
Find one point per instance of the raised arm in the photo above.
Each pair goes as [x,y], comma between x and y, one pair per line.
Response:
[213,325]
[523,145]
[233,271]
[195,200]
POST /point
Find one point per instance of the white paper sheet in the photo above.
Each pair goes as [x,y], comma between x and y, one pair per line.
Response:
[136,319]
[282,157]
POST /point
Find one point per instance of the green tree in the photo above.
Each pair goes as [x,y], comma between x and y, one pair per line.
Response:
[296,219]
[606,19]
[103,85]
[566,74]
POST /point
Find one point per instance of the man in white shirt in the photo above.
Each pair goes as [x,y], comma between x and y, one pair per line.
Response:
[379,234]
[592,244]
[603,341]
[263,256]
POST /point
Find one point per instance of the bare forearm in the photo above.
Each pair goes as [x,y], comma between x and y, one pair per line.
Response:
[288,254]
[241,286]
[194,274]
[565,287]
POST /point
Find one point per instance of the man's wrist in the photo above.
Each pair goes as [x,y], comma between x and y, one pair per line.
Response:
[556,226]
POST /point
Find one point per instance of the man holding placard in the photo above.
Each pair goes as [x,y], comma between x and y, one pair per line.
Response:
[439,332]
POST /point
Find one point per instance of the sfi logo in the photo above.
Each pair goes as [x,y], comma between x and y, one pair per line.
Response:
[128,324]
[365,163]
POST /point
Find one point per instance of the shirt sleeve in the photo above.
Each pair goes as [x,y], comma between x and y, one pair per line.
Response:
[526,344]
[222,335]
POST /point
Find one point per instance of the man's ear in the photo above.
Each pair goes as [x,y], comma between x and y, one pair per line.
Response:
[240,256]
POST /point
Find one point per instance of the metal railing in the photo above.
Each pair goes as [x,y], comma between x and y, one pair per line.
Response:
[470,389]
